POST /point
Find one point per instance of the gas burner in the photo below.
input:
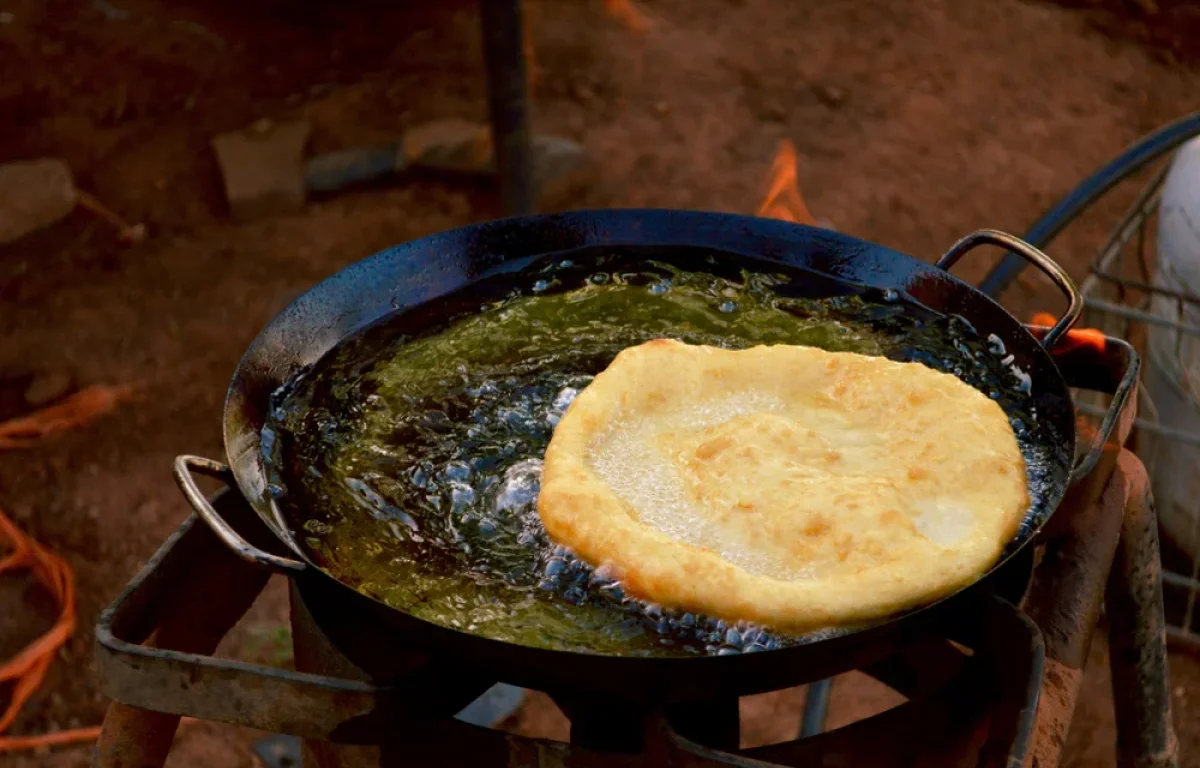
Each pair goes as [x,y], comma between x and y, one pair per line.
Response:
[991,678]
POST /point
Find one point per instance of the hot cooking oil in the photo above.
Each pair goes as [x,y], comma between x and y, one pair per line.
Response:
[409,459]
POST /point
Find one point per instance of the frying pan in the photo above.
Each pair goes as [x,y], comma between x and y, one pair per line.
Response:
[410,275]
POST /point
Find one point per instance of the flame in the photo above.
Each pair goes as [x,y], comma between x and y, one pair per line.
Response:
[783,200]
[1075,338]
[625,12]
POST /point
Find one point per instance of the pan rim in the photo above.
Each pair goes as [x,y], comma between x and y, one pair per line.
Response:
[590,229]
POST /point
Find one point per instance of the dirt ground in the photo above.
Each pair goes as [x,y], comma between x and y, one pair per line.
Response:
[1171,28]
[915,123]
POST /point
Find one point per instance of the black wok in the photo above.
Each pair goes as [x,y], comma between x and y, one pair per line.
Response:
[410,275]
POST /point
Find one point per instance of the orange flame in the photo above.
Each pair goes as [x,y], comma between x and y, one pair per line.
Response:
[783,200]
[625,12]
[1075,338]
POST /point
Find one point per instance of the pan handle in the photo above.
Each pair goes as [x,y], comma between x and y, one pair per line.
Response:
[1040,260]
[185,467]
[1114,371]
[1108,425]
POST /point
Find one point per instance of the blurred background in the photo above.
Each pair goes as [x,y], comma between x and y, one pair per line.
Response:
[177,204]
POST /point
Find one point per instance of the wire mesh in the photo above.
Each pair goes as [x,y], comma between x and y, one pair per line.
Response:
[1127,296]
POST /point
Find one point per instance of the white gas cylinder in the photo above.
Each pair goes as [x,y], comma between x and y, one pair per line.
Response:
[1171,375]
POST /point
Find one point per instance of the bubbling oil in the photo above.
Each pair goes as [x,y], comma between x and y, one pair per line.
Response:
[411,455]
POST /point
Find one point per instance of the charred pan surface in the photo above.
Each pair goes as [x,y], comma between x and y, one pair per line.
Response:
[1064,600]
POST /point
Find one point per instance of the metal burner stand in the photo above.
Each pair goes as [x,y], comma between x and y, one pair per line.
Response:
[1120,304]
[996,686]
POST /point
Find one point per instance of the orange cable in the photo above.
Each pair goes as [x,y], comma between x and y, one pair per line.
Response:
[75,411]
[27,670]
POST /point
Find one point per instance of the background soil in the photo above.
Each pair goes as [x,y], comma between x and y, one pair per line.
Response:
[1171,28]
[915,122]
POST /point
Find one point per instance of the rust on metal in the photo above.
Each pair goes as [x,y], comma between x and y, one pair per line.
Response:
[1137,636]
[1056,705]
[1106,552]
[175,673]
[172,598]
[1067,593]
[136,737]
[974,706]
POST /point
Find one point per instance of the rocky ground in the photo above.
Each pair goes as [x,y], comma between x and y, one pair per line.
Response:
[915,123]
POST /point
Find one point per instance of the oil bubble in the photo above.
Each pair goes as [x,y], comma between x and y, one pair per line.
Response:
[317,526]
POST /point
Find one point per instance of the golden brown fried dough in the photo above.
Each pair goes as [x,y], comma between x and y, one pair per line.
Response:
[784,485]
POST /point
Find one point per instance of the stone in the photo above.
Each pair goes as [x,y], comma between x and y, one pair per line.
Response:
[561,167]
[33,194]
[829,95]
[263,167]
[343,168]
[456,146]
[45,388]
[561,171]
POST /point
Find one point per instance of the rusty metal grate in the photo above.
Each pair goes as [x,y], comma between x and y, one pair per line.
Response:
[1123,298]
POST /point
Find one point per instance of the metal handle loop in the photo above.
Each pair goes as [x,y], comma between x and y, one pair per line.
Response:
[1043,262]
[185,467]
[1118,419]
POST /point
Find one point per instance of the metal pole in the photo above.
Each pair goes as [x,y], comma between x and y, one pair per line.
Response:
[508,102]
[816,707]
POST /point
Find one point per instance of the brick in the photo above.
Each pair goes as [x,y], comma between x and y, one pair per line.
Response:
[562,170]
[450,145]
[33,194]
[263,167]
